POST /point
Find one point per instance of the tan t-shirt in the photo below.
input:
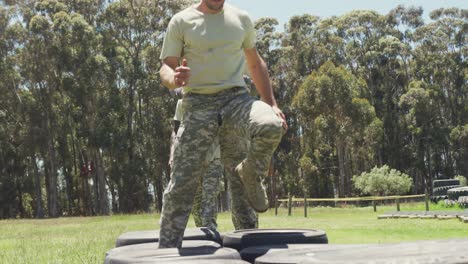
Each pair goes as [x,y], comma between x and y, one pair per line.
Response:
[213,45]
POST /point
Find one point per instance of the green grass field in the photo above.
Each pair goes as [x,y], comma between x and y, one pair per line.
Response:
[86,239]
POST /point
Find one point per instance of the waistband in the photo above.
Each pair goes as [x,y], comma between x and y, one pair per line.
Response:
[227,92]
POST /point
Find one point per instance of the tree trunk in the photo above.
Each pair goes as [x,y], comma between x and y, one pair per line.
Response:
[102,194]
[86,192]
[19,194]
[69,189]
[67,168]
[271,175]
[93,174]
[159,188]
[340,150]
[50,165]
[37,188]
[131,110]
[52,198]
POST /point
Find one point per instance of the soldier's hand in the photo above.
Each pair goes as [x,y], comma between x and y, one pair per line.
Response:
[281,115]
[182,74]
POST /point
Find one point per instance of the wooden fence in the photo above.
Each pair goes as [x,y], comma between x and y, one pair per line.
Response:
[305,200]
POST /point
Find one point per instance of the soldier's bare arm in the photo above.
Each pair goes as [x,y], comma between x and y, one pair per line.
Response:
[172,75]
[259,72]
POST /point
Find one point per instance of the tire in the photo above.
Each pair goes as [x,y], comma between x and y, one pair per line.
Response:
[463,201]
[241,239]
[150,246]
[211,261]
[151,236]
[297,255]
[193,251]
[436,199]
[454,193]
[445,182]
[435,251]
[438,191]
[251,253]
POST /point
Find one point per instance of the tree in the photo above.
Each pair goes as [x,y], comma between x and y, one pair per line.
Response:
[439,62]
[131,31]
[383,181]
[329,106]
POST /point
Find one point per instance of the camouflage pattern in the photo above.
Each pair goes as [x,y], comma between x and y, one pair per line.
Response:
[232,116]
[205,209]
[243,216]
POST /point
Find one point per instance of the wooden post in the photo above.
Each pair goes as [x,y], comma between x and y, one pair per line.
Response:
[276,205]
[426,198]
[374,205]
[305,206]
[398,204]
[289,204]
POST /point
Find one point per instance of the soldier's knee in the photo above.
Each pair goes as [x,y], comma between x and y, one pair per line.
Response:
[271,127]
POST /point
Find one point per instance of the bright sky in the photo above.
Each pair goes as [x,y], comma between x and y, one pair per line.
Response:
[284,9]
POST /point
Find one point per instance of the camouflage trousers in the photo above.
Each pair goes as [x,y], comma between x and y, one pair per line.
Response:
[204,210]
[232,116]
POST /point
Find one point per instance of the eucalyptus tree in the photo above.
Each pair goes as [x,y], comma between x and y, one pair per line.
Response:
[377,52]
[291,65]
[62,69]
[84,83]
[420,119]
[131,29]
[13,127]
[332,110]
[440,62]
[41,70]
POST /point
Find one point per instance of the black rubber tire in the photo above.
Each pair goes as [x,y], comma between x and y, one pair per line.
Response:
[151,236]
[454,193]
[150,246]
[444,182]
[436,251]
[251,253]
[194,251]
[241,239]
[211,261]
[443,189]
[298,255]
[437,198]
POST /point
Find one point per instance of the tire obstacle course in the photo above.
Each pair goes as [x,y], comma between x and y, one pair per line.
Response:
[151,236]
[448,190]
[286,246]
[441,215]
[451,190]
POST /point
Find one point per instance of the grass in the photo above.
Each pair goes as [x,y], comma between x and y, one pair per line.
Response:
[86,239]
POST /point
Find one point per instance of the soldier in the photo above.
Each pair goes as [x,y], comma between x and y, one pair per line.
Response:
[204,210]
[214,41]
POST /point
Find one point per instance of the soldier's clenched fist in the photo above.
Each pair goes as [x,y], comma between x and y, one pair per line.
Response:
[182,74]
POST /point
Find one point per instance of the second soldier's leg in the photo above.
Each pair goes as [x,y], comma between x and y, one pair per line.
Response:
[234,150]
[197,201]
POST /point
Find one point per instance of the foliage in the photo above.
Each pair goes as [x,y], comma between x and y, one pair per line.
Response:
[462,179]
[383,181]
[84,117]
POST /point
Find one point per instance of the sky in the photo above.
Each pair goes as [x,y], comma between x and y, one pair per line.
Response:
[284,9]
